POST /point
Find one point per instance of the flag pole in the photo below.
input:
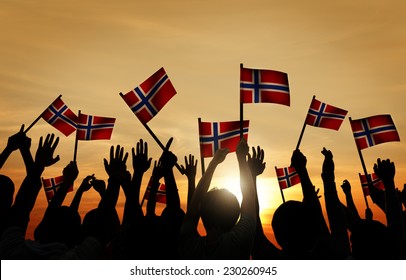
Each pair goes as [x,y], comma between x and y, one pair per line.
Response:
[39,117]
[156,138]
[199,120]
[75,151]
[283,197]
[241,111]
[365,170]
[303,128]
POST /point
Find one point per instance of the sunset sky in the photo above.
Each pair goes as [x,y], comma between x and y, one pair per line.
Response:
[350,54]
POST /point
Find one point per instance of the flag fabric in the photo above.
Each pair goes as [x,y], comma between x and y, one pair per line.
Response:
[376,182]
[287,177]
[264,86]
[160,195]
[61,117]
[94,127]
[51,186]
[218,135]
[150,97]
[374,130]
[324,115]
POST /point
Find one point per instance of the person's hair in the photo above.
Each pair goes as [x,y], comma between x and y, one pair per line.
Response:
[7,192]
[370,240]
[60,224]
[219,209]
[296,227]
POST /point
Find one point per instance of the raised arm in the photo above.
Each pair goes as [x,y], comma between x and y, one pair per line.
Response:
[334,208]
[262,248]
[189,170]
[385,169]
[157,175]
[168,161]
[84,187]
[141,163]
[248,205]
[117,171]
[30,187]
[70,173]
[346,187]
[192,215]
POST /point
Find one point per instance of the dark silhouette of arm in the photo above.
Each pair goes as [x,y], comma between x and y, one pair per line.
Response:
[262,248]
[190,171]
[346,187]
[168,161]
[157,174]
[116,170]
[334,208]
[31,185]
[310,197]
[70,173]
[385,169]
[84,187]
[141,163]
[192,215]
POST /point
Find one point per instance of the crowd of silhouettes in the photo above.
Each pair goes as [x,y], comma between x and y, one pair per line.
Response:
[233,230]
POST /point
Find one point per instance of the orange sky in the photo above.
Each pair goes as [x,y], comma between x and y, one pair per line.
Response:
[350,54]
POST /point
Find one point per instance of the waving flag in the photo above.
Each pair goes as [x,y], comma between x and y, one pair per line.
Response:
[160,195]
[218,135]
[376,182]
[61,117]
[374,130]
[51,186]
[150,97]
[287,177]
[264,86]
[94,127]
[323,115]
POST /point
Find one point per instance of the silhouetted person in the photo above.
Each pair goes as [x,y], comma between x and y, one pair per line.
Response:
[219,209]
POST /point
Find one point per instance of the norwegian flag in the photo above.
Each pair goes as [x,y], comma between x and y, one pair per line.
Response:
[374,130]
[374,179]
[61,117]
[287,177]
[51,186]
[264,86]
[150,97]
[218,135]
[94,127]
[160,195]
[324,115]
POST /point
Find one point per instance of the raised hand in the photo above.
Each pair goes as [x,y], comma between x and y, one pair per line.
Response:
[328,165]
[298,161]
[256,161]
[116,168]
[87,183]
[70,173]
[190,167]
[99,186]
[168,159]
[141,162]
[17,140]
[45,152]
[368,214]
[385,169]
[346,186]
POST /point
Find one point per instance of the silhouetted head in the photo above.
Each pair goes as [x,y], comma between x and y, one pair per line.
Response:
[371,240]
[219,209]
[60,224]
[103,226]
[296,228]
[6,192]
